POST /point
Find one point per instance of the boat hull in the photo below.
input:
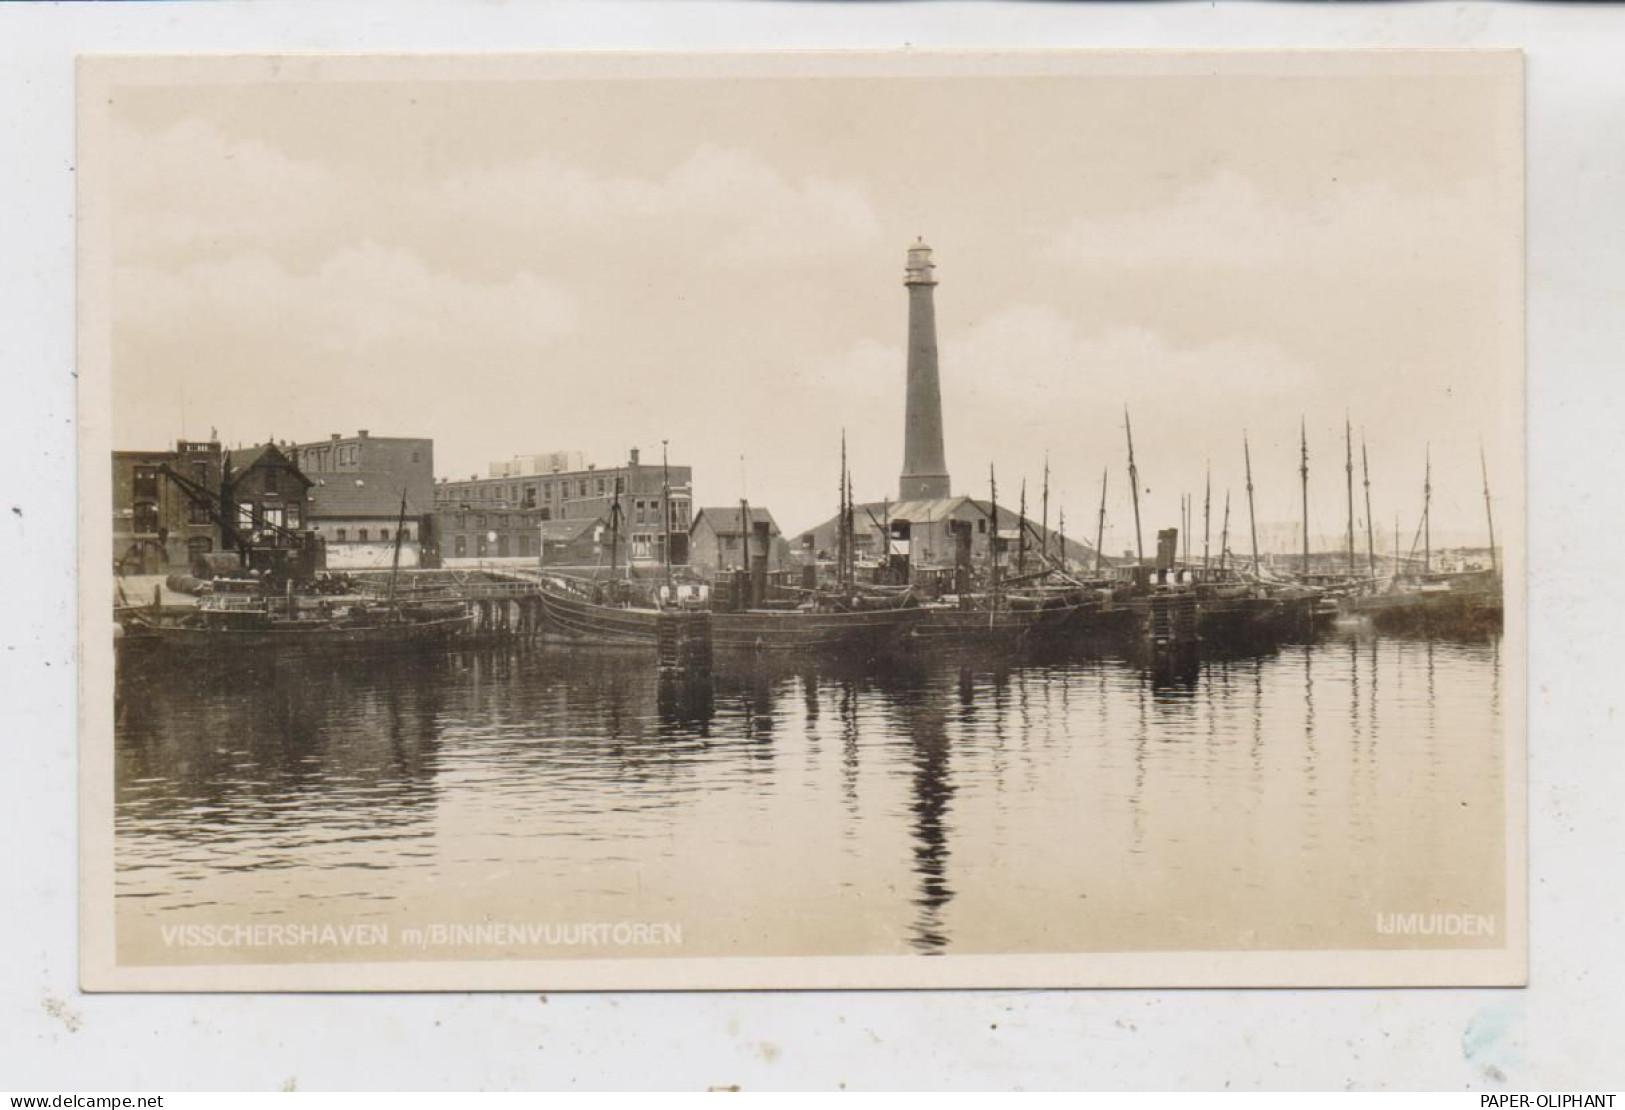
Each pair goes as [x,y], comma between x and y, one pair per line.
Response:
[866,631]
[335,637]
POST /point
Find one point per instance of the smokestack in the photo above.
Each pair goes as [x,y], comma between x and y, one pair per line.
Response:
[925,469]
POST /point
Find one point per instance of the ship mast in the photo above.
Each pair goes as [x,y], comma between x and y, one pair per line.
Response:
[1207,513]
[1224,534]
[841,523]
[1370,536]
[1100,528]
[1303,469]
[1489,514]
[993,540]
[1252,519]
[1044,552]
[1021,531]
[395,561]
[665,504]
[1190,509]
[1134,487]
[1348,469]
[1427,514]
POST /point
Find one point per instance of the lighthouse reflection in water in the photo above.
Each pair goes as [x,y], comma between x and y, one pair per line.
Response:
[1064,805]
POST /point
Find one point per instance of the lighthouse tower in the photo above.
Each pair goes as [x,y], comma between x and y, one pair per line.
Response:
[925,468]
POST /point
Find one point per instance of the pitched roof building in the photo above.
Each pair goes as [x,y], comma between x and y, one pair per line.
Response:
[716,541]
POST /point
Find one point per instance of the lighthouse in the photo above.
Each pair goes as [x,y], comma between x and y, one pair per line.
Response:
[925,468]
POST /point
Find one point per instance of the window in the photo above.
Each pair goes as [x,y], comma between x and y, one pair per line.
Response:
[198,514]
[245,514]
[459,546]
[981,526]
[524,544]
[293,516]
[341,534]
[480,547]
[502,546]
[146,520]
[406,535]
[640,546]
[361,534]
[200,473]
[146,481]
[383,534]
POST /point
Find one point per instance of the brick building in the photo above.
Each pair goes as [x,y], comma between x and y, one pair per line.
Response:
[158,527]
[267,492]
[590,494]
[354,501]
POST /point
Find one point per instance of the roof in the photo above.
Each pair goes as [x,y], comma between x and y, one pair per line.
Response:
[365,494]
[725,520]
[247,458]
[922,510]
[564,531]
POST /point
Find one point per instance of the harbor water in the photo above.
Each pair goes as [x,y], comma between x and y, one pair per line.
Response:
[490,803]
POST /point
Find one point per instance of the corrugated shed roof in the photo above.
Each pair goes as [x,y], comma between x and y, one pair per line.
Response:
[724,519]
[926,509]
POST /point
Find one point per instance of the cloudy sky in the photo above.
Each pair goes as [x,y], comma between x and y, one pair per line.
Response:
[517,266]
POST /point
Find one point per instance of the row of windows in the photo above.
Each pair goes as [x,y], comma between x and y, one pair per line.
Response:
[643,511]
[529,493]
[364,535]
[483,547]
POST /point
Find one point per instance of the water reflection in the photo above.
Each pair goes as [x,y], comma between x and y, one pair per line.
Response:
[1068,803]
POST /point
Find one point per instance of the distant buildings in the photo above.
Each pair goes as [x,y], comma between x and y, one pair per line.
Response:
[591,494]
[355,498]
[546,462]
[467,536]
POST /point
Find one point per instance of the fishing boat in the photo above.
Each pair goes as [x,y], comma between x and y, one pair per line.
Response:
[213,630]
[243,616]
[1464,602]
[856,628]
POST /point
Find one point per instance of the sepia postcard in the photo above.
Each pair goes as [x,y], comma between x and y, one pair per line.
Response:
[802,520]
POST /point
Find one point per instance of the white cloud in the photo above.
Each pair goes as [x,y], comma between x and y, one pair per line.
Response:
[1225,221]
[360,298]
[738,208]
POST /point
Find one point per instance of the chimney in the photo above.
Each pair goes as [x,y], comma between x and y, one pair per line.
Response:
[925,469]
[362,434]
[335,437]
[634,456]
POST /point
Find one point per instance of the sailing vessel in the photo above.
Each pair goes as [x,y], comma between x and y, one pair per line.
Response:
[626,613]
[1459,602]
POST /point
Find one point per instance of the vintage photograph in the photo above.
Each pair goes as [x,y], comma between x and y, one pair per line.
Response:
[894,519]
